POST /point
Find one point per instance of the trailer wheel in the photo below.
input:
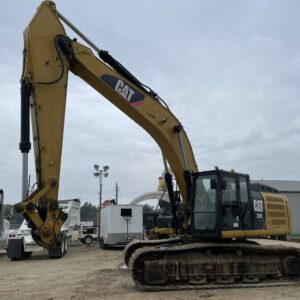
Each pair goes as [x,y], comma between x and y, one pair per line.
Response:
[59,251]
[28,254]
[88,240]
[102,244]
[15,249]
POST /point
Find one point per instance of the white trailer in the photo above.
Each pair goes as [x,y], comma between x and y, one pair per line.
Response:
[21,244]
[119,224]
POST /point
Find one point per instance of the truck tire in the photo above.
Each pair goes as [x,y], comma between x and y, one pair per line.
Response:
[88,240]
[15,249]
[28,254]
[58,251]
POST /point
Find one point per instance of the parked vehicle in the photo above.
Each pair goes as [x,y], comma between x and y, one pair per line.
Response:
[120,224]
[21,244]
[88,232]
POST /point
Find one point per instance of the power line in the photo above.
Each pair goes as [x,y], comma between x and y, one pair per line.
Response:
[5,165]
[11,175]
[8,185]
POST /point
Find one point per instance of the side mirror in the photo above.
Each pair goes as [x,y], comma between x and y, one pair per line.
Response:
[213,184]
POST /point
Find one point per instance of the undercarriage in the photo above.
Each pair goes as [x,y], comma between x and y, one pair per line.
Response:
[178,264]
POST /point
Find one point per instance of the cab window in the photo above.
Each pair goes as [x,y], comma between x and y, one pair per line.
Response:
[205,203]
[230,205]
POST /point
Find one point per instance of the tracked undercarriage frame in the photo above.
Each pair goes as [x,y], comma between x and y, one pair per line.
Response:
[177,264]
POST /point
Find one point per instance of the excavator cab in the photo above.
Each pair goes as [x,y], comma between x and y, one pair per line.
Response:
[221,201]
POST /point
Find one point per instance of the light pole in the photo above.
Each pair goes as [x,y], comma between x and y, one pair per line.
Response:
[98,173]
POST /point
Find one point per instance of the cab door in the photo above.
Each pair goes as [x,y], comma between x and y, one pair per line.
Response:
[235,202]
[245,200]
[230,204]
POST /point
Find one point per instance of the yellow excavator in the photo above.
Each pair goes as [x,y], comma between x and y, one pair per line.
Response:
[213,213]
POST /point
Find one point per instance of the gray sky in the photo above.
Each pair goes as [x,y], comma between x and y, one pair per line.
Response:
[229,70]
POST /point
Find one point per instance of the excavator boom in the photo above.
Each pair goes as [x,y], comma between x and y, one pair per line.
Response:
[48,55]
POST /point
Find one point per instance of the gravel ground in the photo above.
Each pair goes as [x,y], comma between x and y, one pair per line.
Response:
[88,272]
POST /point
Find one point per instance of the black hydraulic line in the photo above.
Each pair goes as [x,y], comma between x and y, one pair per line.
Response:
[113,63]
[107,58]
[25,144]
[60,76]
[169,183]
[188,182]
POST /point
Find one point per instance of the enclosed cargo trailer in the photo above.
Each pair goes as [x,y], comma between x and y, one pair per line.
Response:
[120,224]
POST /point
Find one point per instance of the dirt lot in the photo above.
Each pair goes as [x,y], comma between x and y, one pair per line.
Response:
[88,272]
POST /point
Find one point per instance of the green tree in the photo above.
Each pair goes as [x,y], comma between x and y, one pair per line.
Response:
[148,216]
[10,215]
[148,209]
[88,212]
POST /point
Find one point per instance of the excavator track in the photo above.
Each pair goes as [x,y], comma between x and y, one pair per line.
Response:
[137,244]
[191,266]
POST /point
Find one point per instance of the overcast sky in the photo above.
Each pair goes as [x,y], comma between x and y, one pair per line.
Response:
[229,70]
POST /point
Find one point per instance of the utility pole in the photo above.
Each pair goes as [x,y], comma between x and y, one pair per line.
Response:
[117,192]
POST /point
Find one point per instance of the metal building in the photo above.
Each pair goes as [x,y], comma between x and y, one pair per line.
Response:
[291,189]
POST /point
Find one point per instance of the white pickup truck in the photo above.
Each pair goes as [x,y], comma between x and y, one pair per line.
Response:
[88,232]
[21,244]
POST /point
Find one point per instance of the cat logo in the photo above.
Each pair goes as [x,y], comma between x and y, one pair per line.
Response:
[258,205]
[124,90]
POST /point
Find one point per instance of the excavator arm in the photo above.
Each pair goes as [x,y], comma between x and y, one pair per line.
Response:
[48,56]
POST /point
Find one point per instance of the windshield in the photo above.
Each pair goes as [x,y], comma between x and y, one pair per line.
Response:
[205,203]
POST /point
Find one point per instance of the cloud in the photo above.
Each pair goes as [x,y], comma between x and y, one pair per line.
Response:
[229,72]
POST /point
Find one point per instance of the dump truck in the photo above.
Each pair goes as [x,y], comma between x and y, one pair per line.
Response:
[21,244]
